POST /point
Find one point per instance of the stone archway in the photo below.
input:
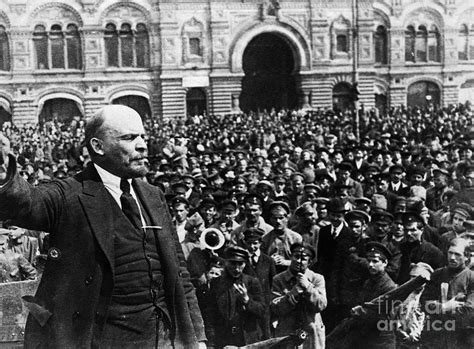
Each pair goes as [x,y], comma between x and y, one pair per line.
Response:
[63,110]
[270,79]
[423,93]
[138,103]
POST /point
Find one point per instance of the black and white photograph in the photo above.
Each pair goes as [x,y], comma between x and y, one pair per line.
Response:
[225,174]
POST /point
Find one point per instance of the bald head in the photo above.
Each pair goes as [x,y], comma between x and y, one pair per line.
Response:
[115,139]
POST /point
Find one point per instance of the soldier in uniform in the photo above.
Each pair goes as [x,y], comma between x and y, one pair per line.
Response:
[378,283]
[277,242]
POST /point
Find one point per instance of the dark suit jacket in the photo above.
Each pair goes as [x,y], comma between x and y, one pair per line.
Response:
[327,247]
[230,319]
[70,305]
[264,271]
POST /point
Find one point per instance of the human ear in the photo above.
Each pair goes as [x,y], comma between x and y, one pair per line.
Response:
[97,146]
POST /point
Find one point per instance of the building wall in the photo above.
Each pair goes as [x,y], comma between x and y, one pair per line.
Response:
[224,29]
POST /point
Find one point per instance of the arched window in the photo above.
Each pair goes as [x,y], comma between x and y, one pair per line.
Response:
[126,48]
[4,50]
[126,45]
[57,49]
[111,45]
[341,43]
[410,44]
[434,52]
[421,44]
[381,44]
[73,47]
[141,46]
[40,38]
[463,43]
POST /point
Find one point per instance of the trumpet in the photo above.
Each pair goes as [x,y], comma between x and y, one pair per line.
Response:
[212,239]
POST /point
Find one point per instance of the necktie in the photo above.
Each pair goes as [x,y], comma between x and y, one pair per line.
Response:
[129,204]
[254,260]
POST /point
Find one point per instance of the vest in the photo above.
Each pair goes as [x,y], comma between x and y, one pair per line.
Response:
[138,287]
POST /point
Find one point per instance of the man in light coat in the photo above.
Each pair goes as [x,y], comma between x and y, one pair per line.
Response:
[299,295]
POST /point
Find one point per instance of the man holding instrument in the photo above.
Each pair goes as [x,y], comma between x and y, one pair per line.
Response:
[299,295]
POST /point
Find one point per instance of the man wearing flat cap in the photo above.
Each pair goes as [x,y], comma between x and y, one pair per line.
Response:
[299,295]
[378,231]
[226,223]
[434,195]
[237,303]
[208,211]
[277,242]
[350,265]
[264,189]
[344,178]
[262,267]
[378,283]
[460,213]
[253,218]
[415,249]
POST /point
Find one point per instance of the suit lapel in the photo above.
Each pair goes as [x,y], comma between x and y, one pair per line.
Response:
[97,202]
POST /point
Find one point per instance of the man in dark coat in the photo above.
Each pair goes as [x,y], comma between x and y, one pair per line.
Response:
[415,249]
[449,297]
[261,267]
[396,185]
[115,275]
[350,265]
[330,237]
[378,283]
[236,303]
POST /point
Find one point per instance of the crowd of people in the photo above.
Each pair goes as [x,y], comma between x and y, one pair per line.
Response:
[299,220]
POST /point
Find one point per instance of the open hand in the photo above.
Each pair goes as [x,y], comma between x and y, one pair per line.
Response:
[242,291]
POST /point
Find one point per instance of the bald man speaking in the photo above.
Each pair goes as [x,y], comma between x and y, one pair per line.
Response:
[115,275]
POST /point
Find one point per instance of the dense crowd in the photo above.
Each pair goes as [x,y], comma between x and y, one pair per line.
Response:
[317,215]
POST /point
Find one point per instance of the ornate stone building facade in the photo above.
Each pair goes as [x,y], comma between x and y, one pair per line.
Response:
[170,58]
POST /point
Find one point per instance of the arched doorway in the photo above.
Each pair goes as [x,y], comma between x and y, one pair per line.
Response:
[381,102]
[269,68]
[342,96]
[139,103]
[196,101]
[59,109]
[5,113]
[422,94]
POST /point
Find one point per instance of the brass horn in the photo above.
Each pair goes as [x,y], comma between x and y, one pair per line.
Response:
[212,239]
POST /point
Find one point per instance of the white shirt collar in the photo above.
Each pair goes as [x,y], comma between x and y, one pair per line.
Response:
[112,184]
[111,181]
